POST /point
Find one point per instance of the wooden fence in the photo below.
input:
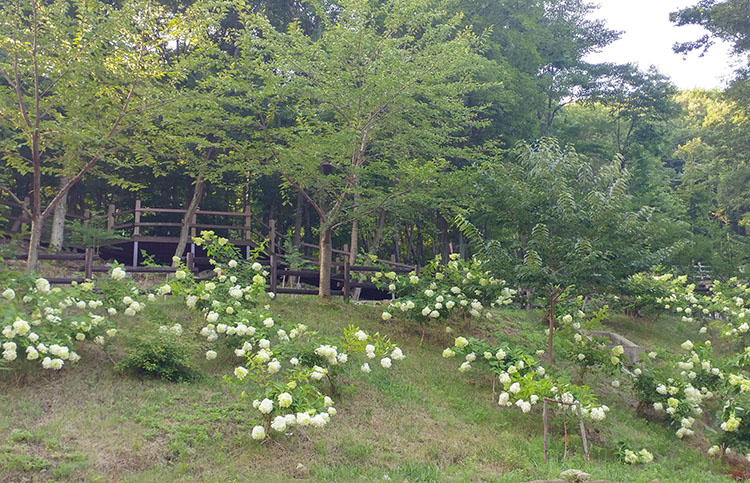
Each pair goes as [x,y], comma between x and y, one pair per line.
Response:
[343,274]
[138,226]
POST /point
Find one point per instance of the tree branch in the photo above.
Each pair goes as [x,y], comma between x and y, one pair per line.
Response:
[15,198]
[286,176]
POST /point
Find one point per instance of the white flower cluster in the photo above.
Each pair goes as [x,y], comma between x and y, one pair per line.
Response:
[456,285]
[50,321]
[643,456]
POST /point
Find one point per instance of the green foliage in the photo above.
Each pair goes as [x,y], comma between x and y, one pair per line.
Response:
[561,221]
[162,355]
[92,235]
[460,286]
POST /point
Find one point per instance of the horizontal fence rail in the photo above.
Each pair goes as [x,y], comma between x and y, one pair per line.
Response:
[341,275]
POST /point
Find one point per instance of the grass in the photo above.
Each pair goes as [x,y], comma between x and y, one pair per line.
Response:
[421,421]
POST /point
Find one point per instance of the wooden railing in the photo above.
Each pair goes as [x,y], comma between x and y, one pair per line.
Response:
[131,224]
[341,275]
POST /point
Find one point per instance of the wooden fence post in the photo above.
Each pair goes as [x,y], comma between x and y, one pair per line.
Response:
[347,280]
[87,217]
[273,273]
[190,261]
[136,230]
[193,222]
[88,269]
[111,217]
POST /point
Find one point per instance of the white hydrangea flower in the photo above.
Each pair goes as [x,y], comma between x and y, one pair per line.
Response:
[265,406]
[284,399]
[240,373]
[258,433]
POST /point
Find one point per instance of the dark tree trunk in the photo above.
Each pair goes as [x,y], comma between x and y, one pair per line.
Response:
[420,242]
[396,239]
[354,243]
[442,227]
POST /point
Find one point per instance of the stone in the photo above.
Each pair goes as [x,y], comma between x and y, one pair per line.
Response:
[574,475]
[631,350]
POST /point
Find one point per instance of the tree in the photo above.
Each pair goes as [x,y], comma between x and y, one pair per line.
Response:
[536,50]
[557,222]
[75,76]
[727,20]
[375,99]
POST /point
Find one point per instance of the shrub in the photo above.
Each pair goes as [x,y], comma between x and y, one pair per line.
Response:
[162,355]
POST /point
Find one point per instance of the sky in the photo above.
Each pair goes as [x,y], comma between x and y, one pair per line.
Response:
[647,39]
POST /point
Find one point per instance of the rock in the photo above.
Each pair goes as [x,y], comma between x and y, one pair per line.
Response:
[632,350]
[574,475]
[300,471]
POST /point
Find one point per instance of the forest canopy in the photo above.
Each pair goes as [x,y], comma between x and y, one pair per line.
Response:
[387,126]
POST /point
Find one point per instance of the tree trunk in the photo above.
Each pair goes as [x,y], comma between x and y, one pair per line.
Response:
[36,237]
[192,208]
[324,286]
[57,236]
[354,243]
[396,244]
[308,229]
[552,303]
[420,241]
[442,227]
[377,239]
[298,221]
[410,252]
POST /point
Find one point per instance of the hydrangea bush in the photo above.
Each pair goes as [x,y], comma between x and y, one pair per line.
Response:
[458,288]
[698,384]
[44,324]
[525,383]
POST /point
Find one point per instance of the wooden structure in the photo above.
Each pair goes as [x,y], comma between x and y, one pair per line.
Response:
[343,279]
[157,229]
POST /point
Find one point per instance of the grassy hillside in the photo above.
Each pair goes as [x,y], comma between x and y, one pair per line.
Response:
[421,421]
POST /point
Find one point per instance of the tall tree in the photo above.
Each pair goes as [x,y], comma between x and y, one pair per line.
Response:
[374,98]
[75,76]
[557,221]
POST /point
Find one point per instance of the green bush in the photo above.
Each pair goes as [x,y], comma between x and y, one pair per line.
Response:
[162,355]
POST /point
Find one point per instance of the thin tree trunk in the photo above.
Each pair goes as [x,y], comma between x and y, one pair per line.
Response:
[420,241]
[354,243]
[552,303]
[396,239]
[308,229]
[57,237]
[36,237]
[377,239]
[298,221]
[324,286]
[442,227]
[297,237]
[410,244]
[192,208]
